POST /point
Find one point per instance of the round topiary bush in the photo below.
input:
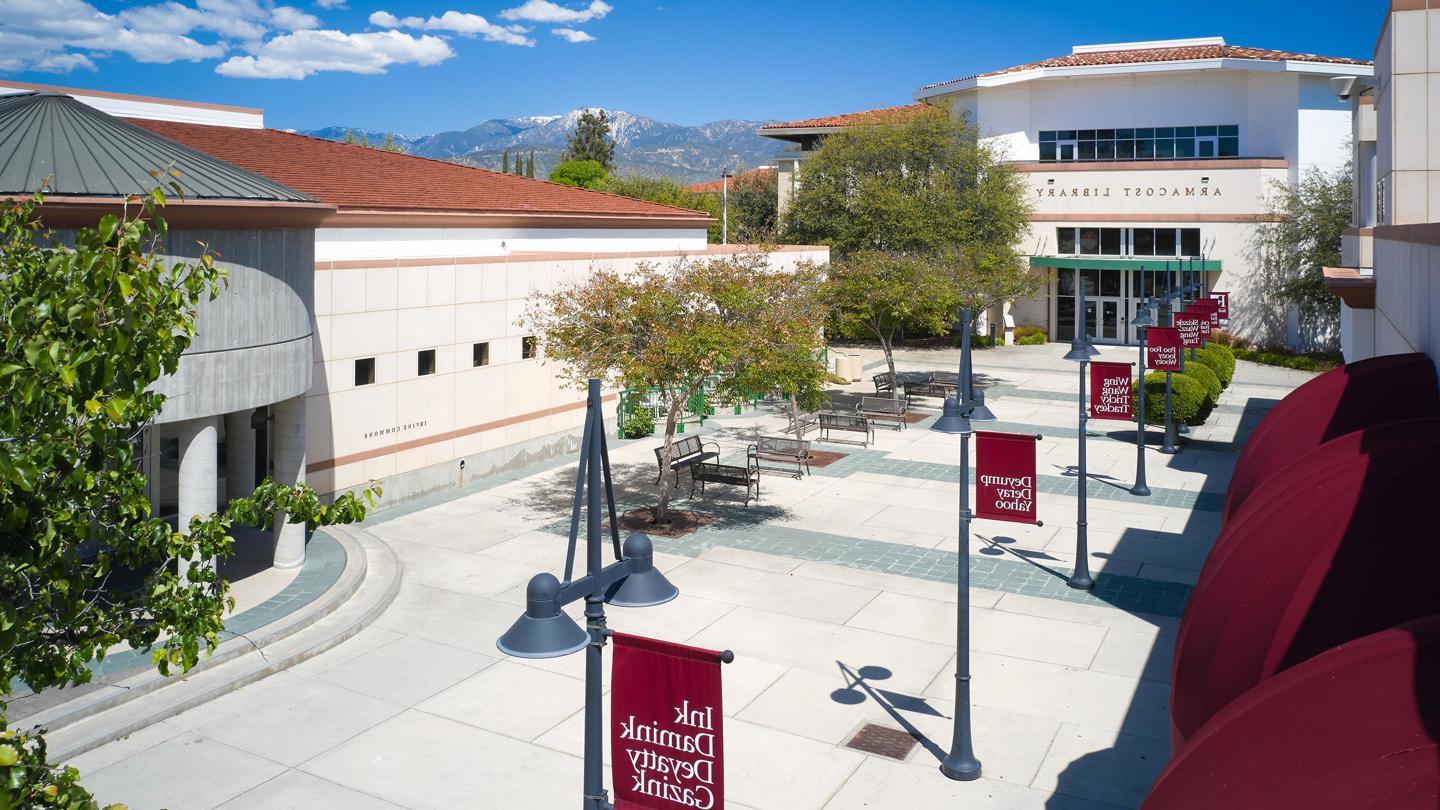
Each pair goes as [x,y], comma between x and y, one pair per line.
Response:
[1220,360]
[1206,376]
[1187,399]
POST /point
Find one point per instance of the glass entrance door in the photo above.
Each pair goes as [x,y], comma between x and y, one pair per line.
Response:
[1108,319]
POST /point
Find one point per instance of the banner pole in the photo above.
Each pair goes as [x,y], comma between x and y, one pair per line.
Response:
[1140,487]
[596,797]
[1081,578]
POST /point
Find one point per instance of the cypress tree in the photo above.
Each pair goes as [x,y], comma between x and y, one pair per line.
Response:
[505,163]
[530,164]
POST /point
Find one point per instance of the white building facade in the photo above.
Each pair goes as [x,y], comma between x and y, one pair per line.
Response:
[1144,161]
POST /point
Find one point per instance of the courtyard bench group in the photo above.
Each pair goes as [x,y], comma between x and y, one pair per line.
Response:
[714,472]
[685,453]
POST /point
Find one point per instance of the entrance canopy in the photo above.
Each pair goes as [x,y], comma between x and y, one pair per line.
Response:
[1133,264]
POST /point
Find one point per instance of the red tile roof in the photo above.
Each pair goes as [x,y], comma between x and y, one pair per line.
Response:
[1180,53]
[357,177]
[748,179]
[885,115]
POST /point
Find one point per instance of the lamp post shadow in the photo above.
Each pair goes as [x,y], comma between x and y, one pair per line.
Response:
[858,688]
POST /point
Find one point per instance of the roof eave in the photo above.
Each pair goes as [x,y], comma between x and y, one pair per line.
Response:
[415,218]
[76,211]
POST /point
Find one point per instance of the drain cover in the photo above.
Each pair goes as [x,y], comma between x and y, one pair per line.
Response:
[885,742]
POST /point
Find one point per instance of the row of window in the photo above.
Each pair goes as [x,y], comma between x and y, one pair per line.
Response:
[425,360]
[1127,241]
[1142,143]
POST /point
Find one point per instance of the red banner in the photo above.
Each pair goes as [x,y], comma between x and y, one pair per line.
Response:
[666,741]
[1162,350]
[1211,308]
[1193,326]
[1005,476]
[1223,299]
[1110,391]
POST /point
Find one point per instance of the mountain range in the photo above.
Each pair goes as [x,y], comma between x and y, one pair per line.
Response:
[642,145]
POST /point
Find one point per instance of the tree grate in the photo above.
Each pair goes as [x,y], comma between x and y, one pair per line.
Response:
[882,741]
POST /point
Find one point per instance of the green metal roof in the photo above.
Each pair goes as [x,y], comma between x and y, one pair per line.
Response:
[1130,263]
[50,142]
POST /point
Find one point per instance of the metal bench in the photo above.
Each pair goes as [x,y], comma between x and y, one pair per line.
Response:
[714,472]
[846,423]
[684,453]
[806,422]
[884,383]
[884,409]
[941,384]
[782,450]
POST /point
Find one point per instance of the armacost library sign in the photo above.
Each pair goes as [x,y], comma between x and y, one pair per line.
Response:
[1133,192]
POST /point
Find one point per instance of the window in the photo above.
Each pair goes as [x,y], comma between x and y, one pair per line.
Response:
[481,354]
[425,362]
[1127,241]
[529,348]
[1144,143]
[1090,241]
[365,371]
[1065,241]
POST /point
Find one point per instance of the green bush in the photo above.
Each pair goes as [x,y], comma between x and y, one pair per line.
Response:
[1031,339]
[1206,376]
[1187,399]
[1026,331]
[983,341]
[1219,360]
[638,424]
[1300,362]
[580,174]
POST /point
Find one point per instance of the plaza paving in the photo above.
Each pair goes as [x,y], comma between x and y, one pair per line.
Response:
[835,591]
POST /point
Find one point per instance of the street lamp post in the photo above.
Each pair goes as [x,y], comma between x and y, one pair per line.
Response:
[545,631]
[1080,352]
[725,205]
[967,406]
[1168,444]
[1142,322]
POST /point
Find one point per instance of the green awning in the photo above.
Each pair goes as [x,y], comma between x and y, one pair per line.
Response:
[1132,264]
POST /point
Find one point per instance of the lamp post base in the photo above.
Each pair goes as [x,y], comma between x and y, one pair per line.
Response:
[961,767]
[1081,581]
[1140,489]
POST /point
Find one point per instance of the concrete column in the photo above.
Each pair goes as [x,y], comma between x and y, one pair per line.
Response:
[289,443]
[239,455]
[198,480]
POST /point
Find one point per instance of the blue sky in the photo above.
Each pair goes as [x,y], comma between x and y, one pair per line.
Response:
[418,66]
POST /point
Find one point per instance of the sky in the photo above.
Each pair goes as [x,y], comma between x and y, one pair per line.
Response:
[423,66]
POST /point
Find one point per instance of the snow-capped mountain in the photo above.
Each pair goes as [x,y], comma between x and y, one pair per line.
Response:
[642,145]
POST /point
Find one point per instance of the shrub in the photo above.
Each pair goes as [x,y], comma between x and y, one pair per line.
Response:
[1031,339]
[1026,331]
[1219,360]
[1187,399]
[580,174]
[638,424]
[1206,376]
[1228,340]
[983,341]
[1299,362]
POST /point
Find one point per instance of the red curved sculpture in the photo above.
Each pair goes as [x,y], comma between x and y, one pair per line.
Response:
[1354,727]
[1353,396]
[1327,556]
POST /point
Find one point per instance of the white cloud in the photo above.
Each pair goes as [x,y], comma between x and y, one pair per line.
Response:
[331,4]
[571,35]
[289,18]
[458,22]
[545,11]
[302,53]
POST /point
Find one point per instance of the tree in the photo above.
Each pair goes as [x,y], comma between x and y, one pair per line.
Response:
[735,320]
[389,145]
[665,191]
[354,140]
[505,162]
[580,174]
[87,332]
[591,140]
[530,165]
[878,293]
[1302,236]
[922,186]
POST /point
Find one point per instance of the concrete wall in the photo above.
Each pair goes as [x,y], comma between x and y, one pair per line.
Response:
[343,244]
[411,432]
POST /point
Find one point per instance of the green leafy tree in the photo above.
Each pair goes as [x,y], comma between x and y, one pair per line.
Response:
[580,174]
[88,330]
[530,164]
[389,145]
[920,186]
[1300,238]
[877,293]
[665,191]
[735,320]
[591,140]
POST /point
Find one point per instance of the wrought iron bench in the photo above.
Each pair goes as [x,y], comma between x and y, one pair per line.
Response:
[846,423]
[806,422]
[685,453]
[714,472]
[941,384]
[782,450]
[884,383]
[883,409]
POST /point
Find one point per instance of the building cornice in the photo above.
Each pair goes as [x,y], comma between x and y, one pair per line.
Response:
[1356,290]
[224,215]
[1219,164]
[391,218]
[1425,233]
[559,256]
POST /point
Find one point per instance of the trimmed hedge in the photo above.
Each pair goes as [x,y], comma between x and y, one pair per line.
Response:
[1031,340]
[1187,399]
[1300,362]
[1220,360]
[1206,376]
